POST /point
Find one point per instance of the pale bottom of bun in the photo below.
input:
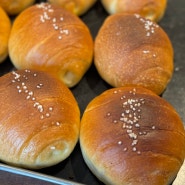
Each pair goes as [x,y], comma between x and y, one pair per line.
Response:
[70,79]
[51,155]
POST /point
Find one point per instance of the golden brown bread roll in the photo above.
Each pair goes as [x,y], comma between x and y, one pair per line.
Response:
[78,7]
[5,25]
[150,9]
[130,135]
[14,7]
[130,49]
[39,119]
[50,38]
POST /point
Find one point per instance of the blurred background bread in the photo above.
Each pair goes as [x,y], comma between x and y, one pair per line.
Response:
[39,119]
[130,49]
[14,7]
[150,9]
[5,27]
[130,135]
[50,38]
[78,7]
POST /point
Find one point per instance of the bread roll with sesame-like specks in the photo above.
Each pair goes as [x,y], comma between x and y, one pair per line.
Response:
[39,119]
[132,50]
[78,7]
[150,9]
[5,25]
[130,136]
[14,7]
[49,38]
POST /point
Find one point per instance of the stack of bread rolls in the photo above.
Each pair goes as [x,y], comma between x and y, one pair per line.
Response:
[39,119]
[50,38]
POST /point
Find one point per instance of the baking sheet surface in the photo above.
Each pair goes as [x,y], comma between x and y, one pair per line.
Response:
[74,169]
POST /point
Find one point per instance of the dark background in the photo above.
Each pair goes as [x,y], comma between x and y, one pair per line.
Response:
[91,85]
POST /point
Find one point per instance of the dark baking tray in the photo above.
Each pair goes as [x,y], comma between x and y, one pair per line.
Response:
[73,169]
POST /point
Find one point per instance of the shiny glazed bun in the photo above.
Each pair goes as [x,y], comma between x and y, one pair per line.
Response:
[50,38]
[5,25]
[78,7]
[39,119]
[131,136]
[14,7]
[150,9]
[130,49]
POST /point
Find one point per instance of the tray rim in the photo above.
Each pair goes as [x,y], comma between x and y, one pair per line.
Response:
[36,175]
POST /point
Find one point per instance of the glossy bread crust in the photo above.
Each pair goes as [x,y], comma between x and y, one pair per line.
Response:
[50,38]
[131,50]
[129,135]
[39,119]
[150,9]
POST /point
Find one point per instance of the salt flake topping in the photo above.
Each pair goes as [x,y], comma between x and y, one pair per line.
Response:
[148,25]
[130,118]
[29,94]
[47,16]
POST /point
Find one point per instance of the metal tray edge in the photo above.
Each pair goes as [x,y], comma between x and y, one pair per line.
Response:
[36,175]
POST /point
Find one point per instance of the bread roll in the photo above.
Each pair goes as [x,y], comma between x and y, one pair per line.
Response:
[78,7]
[5,25]
[14,7]
[130,135]
[130,49]
[150,9]
[50,38]
[39,119]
